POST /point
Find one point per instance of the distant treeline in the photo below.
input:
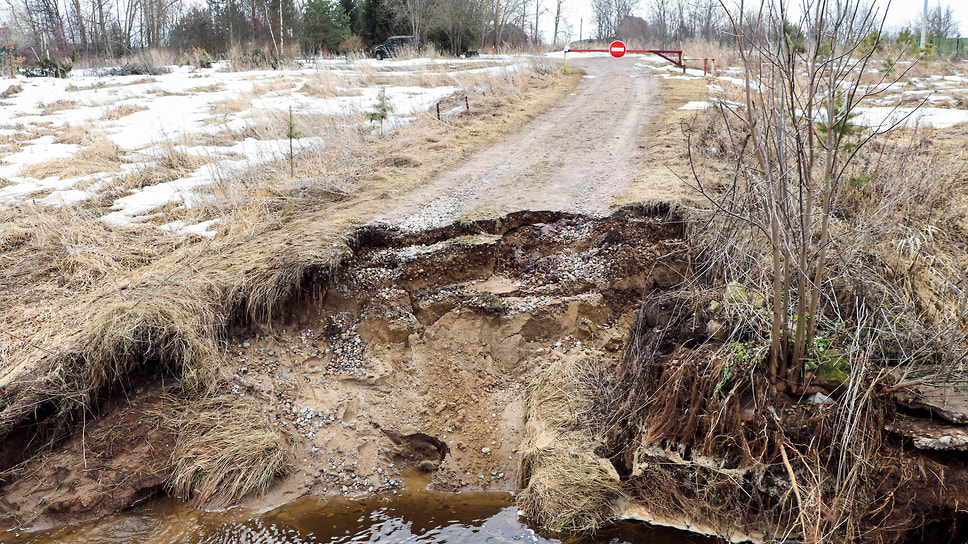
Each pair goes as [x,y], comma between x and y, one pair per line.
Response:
[112,28]
[61,28]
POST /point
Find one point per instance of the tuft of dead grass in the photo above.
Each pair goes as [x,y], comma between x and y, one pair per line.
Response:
[230,105]
[123,110]
[324,86]
[566,485]
[75,134]
[224,450]
[50,108]
[12,90]
[264,87]
[212,88]
[177,161]
[100,154]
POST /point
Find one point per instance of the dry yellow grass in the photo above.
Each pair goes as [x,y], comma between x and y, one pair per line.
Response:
[262,87]
[213,88]
[230,105]
[75,134]
[222,138]
[661,175]
[99,155]
[565,485]
[325,84]
[217,459]
[50,108]
[123,110]
[174,166]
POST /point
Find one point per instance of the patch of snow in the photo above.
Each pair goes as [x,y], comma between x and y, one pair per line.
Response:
[697,105]
[36,151]
[179,191]
[882,118]
[184,227]
[67,197]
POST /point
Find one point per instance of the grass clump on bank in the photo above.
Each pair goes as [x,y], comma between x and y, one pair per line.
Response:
[224,449]
[566,485]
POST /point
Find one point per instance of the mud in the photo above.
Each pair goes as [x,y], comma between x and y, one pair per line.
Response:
[110,464]
[417,352]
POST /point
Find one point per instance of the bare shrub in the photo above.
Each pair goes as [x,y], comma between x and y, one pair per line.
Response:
[351,44]
[833,258]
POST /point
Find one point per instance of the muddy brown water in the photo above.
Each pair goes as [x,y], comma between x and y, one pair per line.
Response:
[414,515]
[423,517]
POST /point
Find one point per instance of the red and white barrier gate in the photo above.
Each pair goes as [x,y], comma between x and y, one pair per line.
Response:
[618,49]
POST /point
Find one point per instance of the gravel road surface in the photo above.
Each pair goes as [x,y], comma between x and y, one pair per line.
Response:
[576,157]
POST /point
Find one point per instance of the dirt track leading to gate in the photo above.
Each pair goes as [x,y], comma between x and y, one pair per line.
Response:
[575,158]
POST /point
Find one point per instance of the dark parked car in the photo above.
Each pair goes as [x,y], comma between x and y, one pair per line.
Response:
[394,46]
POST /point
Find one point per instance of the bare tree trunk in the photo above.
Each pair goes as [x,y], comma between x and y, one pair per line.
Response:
[558,5]
[537,17]
[497,25]
[80,24]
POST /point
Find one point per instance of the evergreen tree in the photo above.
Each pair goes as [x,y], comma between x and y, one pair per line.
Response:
[376,21]
[352,10]
[325,25]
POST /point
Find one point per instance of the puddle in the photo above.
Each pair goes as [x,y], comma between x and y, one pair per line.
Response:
[422,517]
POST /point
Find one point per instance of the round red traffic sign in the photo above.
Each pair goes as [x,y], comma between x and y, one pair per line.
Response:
[617,48]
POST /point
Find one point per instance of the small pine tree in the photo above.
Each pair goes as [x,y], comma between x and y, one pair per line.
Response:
[381,109]
[292,134]
[843,122]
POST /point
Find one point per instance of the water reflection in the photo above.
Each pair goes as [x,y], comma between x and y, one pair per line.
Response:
[485,518]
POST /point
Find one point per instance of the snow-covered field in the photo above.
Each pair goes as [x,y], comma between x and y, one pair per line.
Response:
[55,133]
[939,101]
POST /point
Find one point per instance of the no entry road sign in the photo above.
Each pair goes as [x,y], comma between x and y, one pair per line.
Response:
[617,48]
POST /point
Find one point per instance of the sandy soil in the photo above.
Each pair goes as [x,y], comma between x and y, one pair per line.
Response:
[448,393]
[423,349]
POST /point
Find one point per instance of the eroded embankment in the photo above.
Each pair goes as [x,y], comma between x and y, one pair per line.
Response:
[417,351]
[687,431]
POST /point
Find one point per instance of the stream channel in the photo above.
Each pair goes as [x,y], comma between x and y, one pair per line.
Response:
[408,517]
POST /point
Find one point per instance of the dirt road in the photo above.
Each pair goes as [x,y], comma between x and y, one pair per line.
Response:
[576,157]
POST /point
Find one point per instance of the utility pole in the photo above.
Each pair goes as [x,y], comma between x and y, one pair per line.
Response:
[924,25]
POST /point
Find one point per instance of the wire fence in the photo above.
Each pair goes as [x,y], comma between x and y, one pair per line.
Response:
[950,47]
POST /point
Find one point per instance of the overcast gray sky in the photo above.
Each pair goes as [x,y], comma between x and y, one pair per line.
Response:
[899,13]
